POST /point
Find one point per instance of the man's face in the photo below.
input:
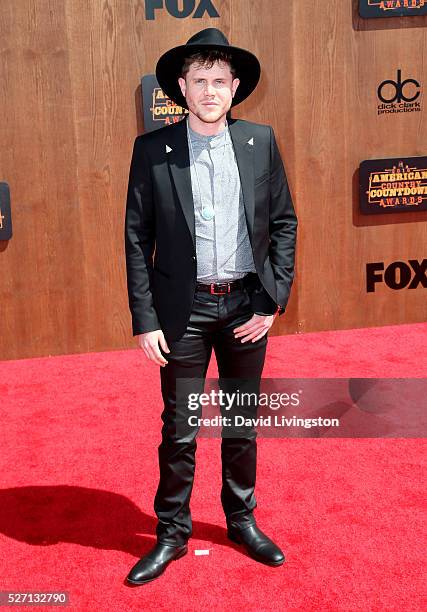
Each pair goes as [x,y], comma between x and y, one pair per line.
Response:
[209,91]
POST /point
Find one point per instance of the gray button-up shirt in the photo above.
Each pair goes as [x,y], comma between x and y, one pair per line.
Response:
[223,249]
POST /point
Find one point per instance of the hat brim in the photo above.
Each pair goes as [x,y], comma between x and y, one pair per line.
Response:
[169,67]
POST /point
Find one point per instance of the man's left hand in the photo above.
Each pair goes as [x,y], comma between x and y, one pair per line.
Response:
[255,328]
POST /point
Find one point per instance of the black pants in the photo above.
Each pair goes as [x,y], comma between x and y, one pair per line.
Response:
[212,321]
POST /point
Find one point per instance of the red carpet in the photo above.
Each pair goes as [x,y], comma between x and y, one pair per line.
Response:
[79,473]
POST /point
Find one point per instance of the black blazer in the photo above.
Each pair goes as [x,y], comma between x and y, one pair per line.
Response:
[160,227]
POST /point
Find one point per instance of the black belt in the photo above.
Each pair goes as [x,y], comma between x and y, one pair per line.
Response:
[221,288]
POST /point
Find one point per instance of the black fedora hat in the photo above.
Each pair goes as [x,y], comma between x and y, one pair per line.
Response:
[169,66]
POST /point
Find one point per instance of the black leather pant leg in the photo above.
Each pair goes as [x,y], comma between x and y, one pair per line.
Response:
[241,361]
[189,358]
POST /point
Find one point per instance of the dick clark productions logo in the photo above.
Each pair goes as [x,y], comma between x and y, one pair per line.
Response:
[398,89]
[399,96]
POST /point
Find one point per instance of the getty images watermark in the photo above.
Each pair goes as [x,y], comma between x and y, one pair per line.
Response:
[229,402]
[333,407]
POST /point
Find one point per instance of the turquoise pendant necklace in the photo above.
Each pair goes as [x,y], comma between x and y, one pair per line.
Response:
[207,211]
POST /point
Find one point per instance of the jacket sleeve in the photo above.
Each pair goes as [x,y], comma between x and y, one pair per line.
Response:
[140,242]
[283,227]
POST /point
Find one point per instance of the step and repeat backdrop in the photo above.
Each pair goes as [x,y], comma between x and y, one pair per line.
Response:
[343,86]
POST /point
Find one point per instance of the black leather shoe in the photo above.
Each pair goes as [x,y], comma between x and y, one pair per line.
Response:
[257,545]
[154,563]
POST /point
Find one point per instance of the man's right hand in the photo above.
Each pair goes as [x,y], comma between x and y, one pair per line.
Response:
[149,342]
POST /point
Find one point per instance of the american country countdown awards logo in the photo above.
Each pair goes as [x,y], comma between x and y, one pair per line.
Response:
[158,109]
[399,96]
[5,216]
[393,185]
[392,8]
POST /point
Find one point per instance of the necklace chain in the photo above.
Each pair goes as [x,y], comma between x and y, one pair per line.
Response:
[208,212]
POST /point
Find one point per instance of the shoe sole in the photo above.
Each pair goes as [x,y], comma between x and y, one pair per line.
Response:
[138,582]
[253,556]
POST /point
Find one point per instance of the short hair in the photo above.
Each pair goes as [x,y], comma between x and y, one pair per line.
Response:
[207,59]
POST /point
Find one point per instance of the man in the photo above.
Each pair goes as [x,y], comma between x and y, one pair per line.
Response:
[208,199]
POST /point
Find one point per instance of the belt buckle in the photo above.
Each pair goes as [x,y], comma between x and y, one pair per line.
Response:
[225,286]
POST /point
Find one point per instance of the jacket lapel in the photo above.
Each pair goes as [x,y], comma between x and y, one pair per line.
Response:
[244,152]
[179,163]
